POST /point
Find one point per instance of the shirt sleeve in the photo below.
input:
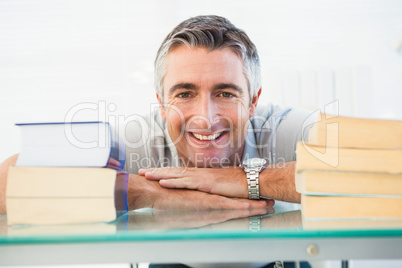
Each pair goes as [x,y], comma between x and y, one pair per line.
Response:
[293,127]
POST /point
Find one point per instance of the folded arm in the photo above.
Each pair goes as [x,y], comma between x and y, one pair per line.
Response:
[277,181]
[143,193]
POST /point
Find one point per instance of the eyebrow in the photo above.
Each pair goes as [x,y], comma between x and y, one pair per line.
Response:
[228,85]
[191,86]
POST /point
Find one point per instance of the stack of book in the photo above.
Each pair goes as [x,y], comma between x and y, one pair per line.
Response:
[351,169]
[67,173]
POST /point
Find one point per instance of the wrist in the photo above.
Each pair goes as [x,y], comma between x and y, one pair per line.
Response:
[140,192]
[242,178]
[252,167]
[277,181]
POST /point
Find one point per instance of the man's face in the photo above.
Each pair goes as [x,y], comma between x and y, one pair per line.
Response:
[206,105]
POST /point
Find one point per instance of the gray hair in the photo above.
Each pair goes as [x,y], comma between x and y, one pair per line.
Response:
[210,32]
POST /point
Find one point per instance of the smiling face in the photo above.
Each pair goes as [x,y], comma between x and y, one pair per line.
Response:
[206,105]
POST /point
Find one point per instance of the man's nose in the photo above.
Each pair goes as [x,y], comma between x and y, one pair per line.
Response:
[206,112]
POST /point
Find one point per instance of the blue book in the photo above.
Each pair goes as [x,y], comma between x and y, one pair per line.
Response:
[71,144]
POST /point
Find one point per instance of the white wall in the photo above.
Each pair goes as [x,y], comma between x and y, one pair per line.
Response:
[55,55]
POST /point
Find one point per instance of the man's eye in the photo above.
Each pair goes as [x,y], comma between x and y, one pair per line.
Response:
[227,95]
[184,95]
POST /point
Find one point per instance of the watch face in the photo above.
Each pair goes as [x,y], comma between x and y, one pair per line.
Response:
[254,162]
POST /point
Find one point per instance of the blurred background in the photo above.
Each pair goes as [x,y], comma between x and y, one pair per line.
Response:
[93,60]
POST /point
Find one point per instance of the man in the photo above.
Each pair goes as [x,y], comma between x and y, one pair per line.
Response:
[208,84]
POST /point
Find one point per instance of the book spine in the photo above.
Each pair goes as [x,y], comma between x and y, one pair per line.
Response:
[117,155]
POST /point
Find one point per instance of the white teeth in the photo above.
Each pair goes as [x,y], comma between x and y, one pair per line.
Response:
[207,138]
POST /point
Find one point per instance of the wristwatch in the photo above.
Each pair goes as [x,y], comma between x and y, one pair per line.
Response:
[255,223]
[252,167]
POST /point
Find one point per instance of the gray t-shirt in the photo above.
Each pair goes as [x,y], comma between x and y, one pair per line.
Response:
[272,134]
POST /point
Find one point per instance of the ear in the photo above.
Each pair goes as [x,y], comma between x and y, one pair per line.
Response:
[254,102]
[161,108]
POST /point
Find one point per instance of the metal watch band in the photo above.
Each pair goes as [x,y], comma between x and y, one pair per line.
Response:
[253,184]
[255,223]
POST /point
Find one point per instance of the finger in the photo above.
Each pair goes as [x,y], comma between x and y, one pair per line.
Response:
[142,171]
[270,202]
[264,202]
[227,203]
[156,176]
[259,203]
[195,200]
[242,203]
[163,173]
[181,183]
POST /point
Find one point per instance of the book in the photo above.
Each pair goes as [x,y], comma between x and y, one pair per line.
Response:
[351,207]
[340,131]
[320,182]
[74,144]
[313,157]
[62,195]
[351,168]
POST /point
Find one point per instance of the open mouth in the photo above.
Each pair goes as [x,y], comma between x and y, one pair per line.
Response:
[207,137]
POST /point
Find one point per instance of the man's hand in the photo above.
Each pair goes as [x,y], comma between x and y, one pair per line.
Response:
[277,181]
[230,181]
[144,193]
[3,180]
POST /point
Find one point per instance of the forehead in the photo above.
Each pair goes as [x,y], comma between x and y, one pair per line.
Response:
[180,54]
[201,66]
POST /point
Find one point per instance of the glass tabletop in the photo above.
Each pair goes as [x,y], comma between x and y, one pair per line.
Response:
[152,225]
